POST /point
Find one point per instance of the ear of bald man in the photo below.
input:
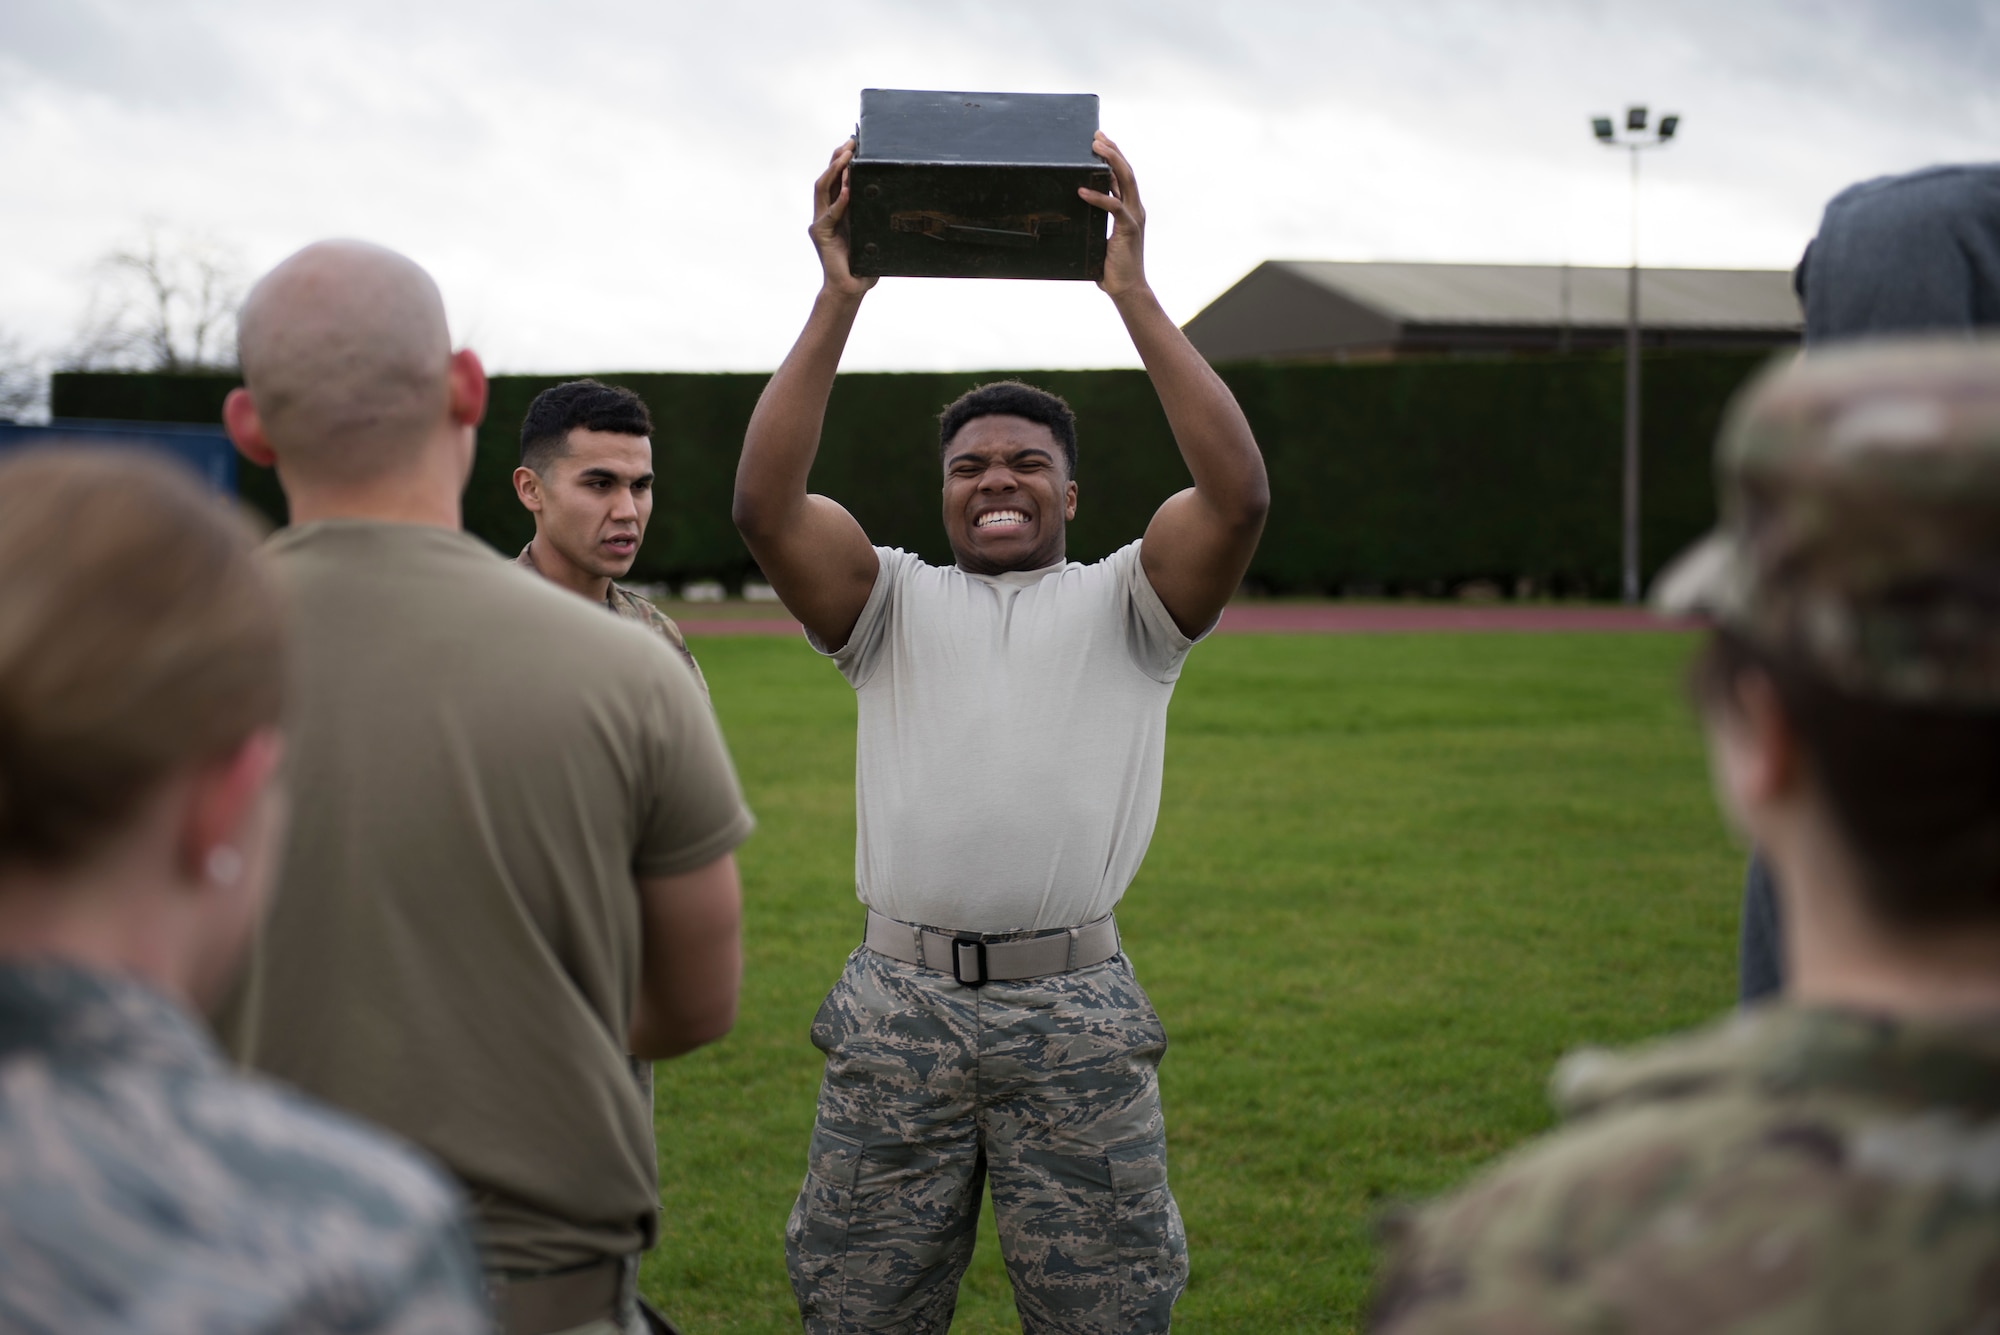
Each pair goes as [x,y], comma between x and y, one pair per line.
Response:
[426,492]
[465,383]
[352,390]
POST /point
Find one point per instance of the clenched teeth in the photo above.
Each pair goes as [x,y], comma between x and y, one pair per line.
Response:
[992,517]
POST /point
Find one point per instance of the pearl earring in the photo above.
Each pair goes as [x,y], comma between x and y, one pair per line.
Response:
[224,865]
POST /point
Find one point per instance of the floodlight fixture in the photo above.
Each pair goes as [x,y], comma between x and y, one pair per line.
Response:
[1634,140]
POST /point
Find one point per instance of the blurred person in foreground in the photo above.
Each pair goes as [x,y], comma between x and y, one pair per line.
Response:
[1898,255]
[1828,1163]
[586,474]
[1010,742]
[144,1185]
[511,866]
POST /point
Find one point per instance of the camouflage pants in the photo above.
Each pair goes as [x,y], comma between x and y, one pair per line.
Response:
[1048,1086]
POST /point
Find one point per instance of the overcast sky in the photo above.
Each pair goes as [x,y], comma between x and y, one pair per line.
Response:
[608,184]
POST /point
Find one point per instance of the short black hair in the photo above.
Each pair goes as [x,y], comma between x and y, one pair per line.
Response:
[1913,788]
[1011,398]
[588,404]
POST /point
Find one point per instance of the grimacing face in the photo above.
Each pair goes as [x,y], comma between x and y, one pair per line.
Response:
[1007,495]
[595,501]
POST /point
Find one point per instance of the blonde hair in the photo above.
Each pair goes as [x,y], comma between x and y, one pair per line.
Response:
[139,632]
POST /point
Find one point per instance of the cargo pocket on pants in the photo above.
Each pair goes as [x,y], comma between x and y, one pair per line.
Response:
[816,1233]
[1146,1230]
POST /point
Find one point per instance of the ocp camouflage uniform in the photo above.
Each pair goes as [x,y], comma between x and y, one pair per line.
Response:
[631,606]
[146,1187]
[1796,1168]
[1789,1170]
[1059,1077]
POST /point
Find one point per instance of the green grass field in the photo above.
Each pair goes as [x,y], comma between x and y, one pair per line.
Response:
[1394,878]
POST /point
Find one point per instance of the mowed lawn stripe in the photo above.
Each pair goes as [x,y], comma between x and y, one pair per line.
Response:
[1395,877]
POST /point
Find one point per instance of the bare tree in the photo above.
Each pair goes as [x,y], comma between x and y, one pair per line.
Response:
[24,381]
[165,304]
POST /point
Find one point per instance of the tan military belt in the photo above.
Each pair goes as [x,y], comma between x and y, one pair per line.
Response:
[972,958]
[562,1300]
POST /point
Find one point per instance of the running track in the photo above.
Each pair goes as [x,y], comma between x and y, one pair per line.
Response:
[1336,619]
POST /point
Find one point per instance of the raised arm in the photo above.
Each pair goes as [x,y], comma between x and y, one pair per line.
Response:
[809,547]
[1201,540]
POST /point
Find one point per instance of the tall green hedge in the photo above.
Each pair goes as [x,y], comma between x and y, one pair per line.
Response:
[1414,475]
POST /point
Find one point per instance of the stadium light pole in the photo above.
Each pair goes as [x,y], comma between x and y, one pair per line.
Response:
[1634,140]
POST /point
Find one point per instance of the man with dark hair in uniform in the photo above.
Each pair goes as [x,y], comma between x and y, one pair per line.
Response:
[1010,742]
[586,475]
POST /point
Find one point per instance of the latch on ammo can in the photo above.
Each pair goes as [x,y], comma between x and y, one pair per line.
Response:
[975,185]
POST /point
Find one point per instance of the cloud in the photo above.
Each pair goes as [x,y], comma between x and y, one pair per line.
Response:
[149,58]
[611,183]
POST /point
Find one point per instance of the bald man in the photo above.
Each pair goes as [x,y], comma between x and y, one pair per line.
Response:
[511,863]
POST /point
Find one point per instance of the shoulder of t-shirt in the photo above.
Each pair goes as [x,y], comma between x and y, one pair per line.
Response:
[1121,559]
[499,605]
[896,562]
[894,568]
[355,554]
[1115,568]
[1125,556]
[347,537]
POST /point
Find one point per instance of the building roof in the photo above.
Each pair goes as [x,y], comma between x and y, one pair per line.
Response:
[1326,309]
[1531,294]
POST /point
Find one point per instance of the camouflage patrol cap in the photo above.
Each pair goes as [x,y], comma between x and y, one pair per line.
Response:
[1860,533]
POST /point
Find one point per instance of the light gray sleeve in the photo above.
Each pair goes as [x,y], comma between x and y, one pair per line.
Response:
[1156,643]
[859,657]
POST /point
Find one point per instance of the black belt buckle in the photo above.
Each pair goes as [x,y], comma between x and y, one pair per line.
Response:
[970,949]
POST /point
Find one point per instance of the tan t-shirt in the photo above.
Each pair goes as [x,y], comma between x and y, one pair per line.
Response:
[481,763]
[1010,739]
